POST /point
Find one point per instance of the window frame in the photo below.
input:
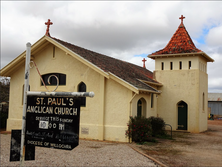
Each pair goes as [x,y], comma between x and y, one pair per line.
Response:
[53,80]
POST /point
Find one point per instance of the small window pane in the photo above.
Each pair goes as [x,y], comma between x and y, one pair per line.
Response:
[171,65]
[189,64]
[82,88]
[151,100]
[162,64]
[180,65]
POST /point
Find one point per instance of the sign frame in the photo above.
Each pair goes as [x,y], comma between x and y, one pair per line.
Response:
[53,122]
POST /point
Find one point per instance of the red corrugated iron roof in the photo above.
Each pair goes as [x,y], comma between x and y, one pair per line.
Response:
[179,43]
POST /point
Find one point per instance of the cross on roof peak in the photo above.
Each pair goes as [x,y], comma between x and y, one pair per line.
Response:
[48,24]
[144,60]
[182,19]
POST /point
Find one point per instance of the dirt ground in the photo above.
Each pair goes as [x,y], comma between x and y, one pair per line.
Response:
[188,149]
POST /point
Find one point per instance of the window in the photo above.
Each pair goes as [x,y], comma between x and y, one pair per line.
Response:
[151,101]
[53,80]
[139,108]
[82,88]
[180,65]
[203,101]
[189,64]
[162,66]
[53,52]
[171,65]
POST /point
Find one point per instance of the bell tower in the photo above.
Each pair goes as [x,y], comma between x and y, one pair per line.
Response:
[182,69]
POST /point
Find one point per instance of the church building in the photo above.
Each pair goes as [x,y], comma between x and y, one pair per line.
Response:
[177,90]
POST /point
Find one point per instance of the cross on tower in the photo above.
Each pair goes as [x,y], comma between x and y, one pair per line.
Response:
[182,19]
[144,60]
[48,24]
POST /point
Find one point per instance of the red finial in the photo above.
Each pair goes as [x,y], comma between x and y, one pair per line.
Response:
[144,60]
[182,19]
[48,24]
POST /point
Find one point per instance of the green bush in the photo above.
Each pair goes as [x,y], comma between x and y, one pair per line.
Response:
[139,129]
[158,126]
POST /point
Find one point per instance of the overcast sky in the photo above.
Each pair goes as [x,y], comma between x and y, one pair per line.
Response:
[125,30]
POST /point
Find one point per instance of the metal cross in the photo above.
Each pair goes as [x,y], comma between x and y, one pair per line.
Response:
[48,24]
[182,18]
[144,60]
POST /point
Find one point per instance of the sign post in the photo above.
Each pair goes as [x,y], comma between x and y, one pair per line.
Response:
[26,86]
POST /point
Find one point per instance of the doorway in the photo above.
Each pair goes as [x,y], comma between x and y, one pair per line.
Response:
[182,115]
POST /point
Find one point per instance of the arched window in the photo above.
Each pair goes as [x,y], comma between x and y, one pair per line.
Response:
[141,107]
[82,88]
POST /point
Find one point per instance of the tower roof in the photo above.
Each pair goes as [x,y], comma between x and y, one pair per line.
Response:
[179,43]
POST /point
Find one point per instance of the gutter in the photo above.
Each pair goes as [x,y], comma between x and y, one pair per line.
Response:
[182,54]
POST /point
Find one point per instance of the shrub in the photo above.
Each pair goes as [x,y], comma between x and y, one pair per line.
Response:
[139,129]
[158,126]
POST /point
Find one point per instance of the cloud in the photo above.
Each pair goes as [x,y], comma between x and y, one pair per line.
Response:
[214,36]
[117,29]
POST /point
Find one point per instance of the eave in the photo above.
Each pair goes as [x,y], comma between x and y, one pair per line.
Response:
[141,90]
[144,91]
[208,58]
[151,83]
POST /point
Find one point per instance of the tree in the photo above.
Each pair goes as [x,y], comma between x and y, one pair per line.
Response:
[4,89]
[4,97]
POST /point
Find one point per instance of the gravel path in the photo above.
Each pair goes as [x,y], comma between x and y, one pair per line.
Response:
[88,153]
